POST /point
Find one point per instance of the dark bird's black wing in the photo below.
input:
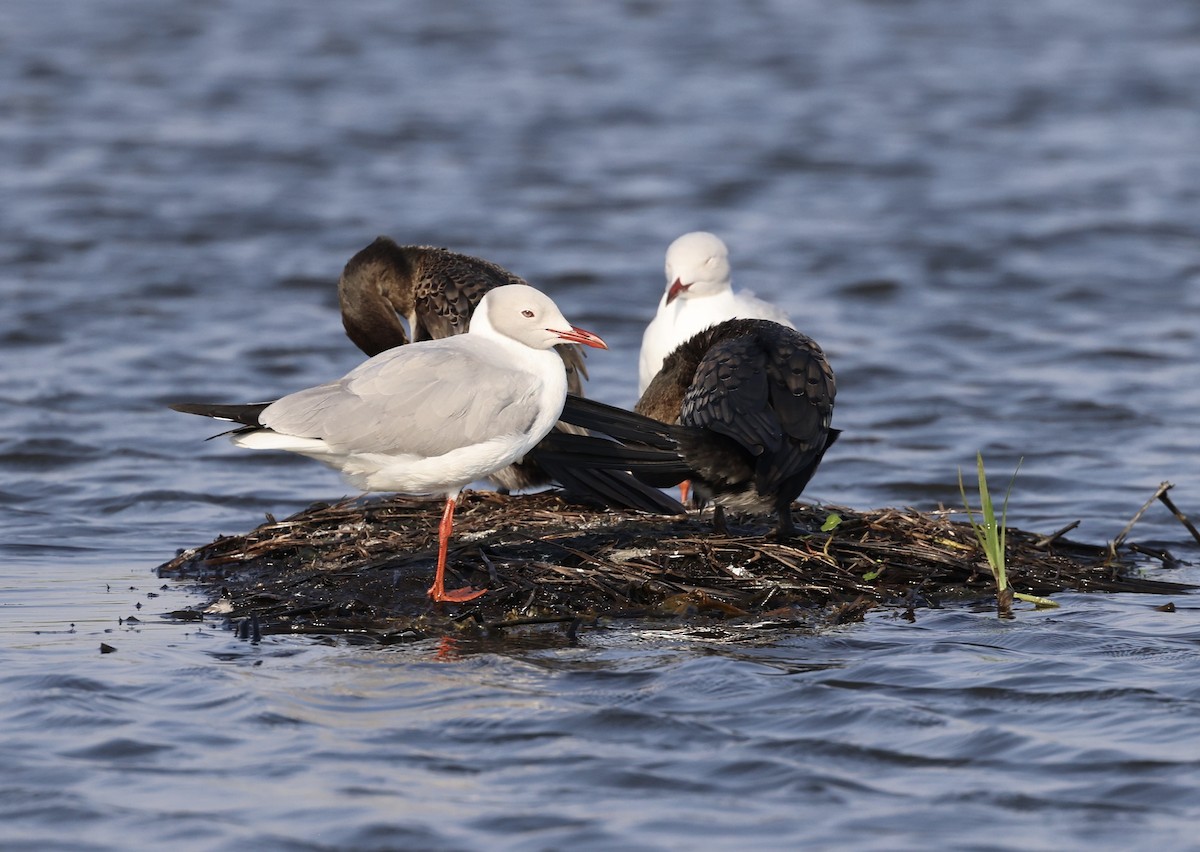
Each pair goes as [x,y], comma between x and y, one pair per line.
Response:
[594,469]
[771,391]
[625,426]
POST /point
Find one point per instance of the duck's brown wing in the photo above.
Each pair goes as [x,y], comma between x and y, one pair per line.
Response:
[448,286]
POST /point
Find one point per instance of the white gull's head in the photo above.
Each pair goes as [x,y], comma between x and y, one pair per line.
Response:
[529,317]
[697,265]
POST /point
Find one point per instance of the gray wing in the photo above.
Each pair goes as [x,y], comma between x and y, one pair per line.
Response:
[426,400]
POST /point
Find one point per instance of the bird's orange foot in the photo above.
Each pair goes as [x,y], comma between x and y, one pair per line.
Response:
[455,595]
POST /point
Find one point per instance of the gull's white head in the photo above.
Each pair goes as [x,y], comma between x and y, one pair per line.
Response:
[528,316]
[697,265]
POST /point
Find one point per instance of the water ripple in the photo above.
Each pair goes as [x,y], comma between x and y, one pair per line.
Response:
[984,212]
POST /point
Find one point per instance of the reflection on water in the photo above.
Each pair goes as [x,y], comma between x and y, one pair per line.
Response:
[888,732]
[986,214]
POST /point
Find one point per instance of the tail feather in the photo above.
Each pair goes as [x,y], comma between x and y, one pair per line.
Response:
[625,426]
[582,461]
[615,488]
[598,453]
[247,414]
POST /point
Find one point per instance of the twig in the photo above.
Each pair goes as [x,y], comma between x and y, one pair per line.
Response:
[1046,540]
[1158,495]
[1182,517]
[1163,556]
[491,567]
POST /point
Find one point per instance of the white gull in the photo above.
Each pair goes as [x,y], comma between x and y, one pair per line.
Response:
[433,416]
[698,295]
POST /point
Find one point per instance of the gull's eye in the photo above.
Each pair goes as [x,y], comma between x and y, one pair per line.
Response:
[527,314]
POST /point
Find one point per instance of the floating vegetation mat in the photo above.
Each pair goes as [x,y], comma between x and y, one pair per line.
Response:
[362,567]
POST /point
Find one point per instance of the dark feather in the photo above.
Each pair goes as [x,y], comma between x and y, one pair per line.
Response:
[246,414]
[434,289]
[625,426]
[753,400]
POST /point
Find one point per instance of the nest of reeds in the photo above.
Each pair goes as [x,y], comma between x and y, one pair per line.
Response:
[362,567]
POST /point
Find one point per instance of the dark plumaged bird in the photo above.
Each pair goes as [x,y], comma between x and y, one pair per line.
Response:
[433,289]
[433,416]
[755,400]
[745,408]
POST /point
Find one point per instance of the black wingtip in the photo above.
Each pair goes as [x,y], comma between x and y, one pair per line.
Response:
[591,452]
[623,425]
[615,489]
[188,407]
[597,470]
[246,414]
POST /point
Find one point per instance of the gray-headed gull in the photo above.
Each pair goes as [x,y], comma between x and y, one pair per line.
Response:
[435,291]
[698,294]
[433,416]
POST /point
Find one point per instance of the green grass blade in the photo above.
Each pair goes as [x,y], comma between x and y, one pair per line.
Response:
[1004,510]
[993,534]
[1039,602]
[975,526]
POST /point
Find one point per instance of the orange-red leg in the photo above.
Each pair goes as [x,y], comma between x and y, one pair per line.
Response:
[685,488]
[438,590]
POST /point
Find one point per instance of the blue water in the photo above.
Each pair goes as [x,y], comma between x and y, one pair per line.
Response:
[987,214]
